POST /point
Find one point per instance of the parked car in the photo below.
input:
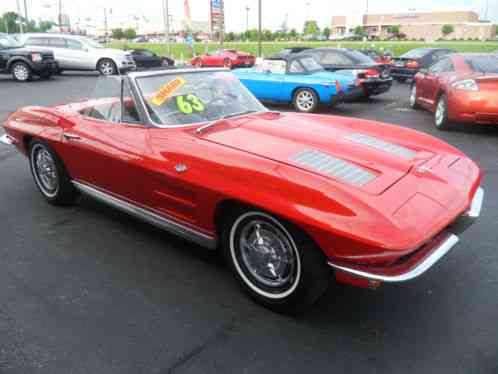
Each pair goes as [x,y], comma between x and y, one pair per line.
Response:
[23,63]
[459,88]
[75,52]
[229,58]
[300,81]
[286,197]
[407,65]
[286,52]
[374,77]
[145,58]
[378,57]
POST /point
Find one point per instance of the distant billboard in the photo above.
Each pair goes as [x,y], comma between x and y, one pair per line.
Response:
[217,16]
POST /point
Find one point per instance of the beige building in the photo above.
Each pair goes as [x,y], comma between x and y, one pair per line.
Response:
[419,25]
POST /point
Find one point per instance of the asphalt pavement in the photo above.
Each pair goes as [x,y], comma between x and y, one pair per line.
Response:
[87,289]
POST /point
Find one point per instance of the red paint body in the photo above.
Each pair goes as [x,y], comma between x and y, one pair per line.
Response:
[225,58]
[246,159]
[463,106]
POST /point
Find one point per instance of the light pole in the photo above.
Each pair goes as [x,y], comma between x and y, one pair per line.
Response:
[26,13]
[20,16]
[247,17]
[166,24]
[260,50]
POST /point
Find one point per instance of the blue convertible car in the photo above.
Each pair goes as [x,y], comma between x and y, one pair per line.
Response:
[300,81]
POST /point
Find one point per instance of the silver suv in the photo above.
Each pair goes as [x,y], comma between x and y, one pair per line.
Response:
[75,52]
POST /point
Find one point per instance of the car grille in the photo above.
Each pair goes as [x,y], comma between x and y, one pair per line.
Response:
[376,143]
[328,165]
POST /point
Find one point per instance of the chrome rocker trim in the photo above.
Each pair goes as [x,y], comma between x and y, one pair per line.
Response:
[459,226]
[148,216]
[7,140]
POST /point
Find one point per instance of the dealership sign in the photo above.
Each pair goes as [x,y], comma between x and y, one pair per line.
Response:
[217,15]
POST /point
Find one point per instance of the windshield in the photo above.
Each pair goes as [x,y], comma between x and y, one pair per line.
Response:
[484,64]
[7,41]
[189,98]
[311,65]
[416,53]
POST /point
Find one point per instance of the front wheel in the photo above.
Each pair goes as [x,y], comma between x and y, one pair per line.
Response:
[305,100]
[413,97]
[107,67]
[441,114]
[275,262]
[50,175]
[227,63]
[21,72]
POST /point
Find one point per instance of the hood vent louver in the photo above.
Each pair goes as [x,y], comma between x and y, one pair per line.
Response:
[382,145]
[327,165]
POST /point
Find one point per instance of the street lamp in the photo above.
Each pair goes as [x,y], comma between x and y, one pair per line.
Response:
[260,50]
[166,24]
[247,17]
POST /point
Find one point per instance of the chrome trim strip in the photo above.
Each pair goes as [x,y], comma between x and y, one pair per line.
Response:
[7,140]
[418,270]
[150,217]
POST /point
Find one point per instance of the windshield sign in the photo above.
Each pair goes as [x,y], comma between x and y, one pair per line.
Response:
[190,98]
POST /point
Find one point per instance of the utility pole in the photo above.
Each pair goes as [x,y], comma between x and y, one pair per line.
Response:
[260,49]
[166,24]
[366,12]
[105,25]
[60,14]
[222,31]
[20,16]
[486,7]
[247,17]
[26,14]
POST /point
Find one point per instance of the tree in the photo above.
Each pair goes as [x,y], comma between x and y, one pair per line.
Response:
[447,30]
[230,36]
[44,26]
[359,31]
[118,34]
[9,22]
[293,34]
[394,29]
[267,35]
[311,28]
[129,33]
[326,32]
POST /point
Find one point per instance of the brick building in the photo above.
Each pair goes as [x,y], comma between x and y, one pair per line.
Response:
[418,25]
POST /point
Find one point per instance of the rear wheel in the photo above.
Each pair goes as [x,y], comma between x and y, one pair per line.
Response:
[227,63]
[305,100]
[275,262]
[50,175]
[107,67]
[21,71]
[441,113]
[198,63]
[413,97]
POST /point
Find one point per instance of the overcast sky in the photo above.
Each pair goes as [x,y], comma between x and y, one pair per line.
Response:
[274,11]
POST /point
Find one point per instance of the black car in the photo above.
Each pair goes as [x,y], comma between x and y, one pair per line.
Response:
[374,77]
[407,65]
[23,63]
[145,58]
[286,52]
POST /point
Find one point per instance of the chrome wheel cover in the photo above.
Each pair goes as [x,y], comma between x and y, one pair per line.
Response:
[440,111]
[107,68]
[265,255]
[21,72]
[305,101]
[44,170]
[413,96]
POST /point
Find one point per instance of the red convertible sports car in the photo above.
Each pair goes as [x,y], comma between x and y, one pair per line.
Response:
[229,58]
[286,197]
[459,88]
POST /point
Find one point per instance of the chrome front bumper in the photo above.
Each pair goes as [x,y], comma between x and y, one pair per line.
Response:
[7,140]
[424,258]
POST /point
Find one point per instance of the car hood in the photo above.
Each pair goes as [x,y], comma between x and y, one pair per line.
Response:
[321,144]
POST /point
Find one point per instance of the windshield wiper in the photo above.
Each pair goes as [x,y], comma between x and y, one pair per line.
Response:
[208,125]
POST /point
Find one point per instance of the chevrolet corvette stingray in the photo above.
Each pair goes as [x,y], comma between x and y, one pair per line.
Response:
[286,197]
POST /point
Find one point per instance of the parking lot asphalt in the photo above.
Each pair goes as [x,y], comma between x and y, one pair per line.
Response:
[87,289]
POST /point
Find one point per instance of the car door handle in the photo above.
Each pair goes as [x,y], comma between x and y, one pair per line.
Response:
[71,137]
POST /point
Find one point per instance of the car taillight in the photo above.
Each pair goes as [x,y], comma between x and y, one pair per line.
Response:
[412,65]
[371,73]
[338,86]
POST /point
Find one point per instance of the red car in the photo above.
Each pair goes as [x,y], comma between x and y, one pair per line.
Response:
[286,196]
[229,58]
[459,88]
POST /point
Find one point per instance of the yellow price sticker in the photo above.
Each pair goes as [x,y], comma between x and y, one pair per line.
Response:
[167,91]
